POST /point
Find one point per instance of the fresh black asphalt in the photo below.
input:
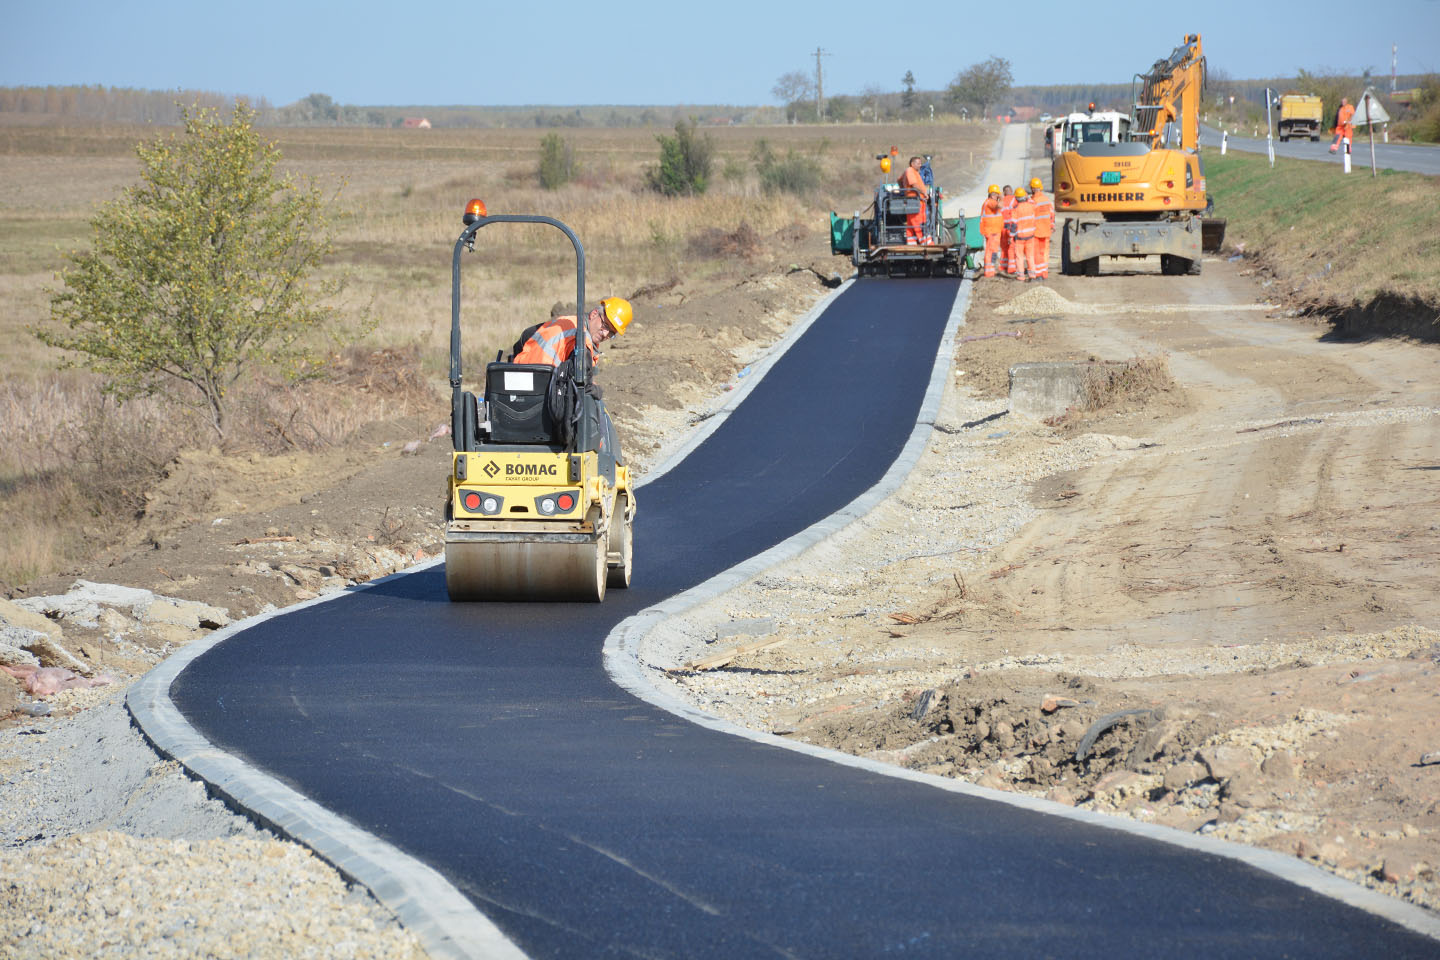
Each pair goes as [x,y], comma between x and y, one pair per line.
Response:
[488,741]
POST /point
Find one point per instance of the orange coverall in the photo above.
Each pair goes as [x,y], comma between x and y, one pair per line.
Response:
[1044,229]
[1007,237]
[1344,129]
[1024,220]
[910,179]
[992,227]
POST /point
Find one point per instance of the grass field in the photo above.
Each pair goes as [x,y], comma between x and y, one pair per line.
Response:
[401,196]
[1332,239]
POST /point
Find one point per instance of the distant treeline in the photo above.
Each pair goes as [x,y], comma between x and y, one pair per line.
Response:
[126,105]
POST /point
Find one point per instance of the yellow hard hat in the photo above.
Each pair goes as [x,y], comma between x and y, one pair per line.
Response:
[619,312]
[884,164]
[1035,183]
[993,188]
[1020,193]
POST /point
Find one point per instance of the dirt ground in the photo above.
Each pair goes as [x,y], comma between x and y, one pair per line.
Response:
[250,531]
[1222,595]
[1217,610]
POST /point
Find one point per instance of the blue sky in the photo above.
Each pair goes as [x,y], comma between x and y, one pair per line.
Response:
[563,52]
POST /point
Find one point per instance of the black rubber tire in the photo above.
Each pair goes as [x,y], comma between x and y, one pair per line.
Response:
[1068,267]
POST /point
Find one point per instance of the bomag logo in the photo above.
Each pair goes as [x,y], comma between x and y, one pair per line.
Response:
[530,470]
[1116,196]
[490,469]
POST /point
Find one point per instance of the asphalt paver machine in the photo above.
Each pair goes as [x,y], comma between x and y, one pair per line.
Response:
[537,507]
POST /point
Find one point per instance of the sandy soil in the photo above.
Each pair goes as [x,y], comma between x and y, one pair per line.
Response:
[1212,606]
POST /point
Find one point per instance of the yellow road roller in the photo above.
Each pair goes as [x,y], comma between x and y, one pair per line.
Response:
[538,507]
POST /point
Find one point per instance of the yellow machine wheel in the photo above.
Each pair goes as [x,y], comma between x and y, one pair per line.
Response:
[527,570]
[621,545]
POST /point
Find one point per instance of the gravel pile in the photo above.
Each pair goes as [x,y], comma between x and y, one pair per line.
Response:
[108,851]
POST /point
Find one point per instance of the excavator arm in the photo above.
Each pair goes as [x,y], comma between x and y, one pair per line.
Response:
[1169,94]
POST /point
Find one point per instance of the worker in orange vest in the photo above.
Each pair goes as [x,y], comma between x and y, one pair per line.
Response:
[992,228]
[553,343]
[1007,236]
[1023,219]
[1044,229]
[1344,129]
[912,182]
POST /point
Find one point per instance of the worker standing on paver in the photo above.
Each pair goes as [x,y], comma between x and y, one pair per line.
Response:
[1007,235]
[1344,129]
[912,180]
[992,228]
[1023,217]
[1044,229]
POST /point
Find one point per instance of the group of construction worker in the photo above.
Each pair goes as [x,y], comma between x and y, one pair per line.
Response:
[1017,225]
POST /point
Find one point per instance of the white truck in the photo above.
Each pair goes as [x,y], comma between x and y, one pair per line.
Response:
[1092,126]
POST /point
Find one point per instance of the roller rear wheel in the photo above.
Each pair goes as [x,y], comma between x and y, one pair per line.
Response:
[621,545]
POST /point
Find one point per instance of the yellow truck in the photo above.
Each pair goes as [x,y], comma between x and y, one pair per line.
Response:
[1300,116]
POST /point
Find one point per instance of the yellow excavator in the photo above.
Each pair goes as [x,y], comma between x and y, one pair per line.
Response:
[1149,187]
[537,507]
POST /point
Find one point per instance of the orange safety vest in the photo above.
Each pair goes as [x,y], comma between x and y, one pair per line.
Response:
[1342,121]
[1044,215]
[1024,219]
[551,343]
[1007,210]
[991,220]
[910,179]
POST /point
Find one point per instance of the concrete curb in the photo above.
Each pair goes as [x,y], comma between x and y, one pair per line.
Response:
[446,923]
[622,662]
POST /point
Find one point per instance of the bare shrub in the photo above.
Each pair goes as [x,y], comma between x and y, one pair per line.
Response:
[742,243]
[1108,384]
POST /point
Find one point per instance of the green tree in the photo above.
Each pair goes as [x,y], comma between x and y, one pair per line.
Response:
[982,85]
[907,99]
[200,271]
[557,161]
[685,162]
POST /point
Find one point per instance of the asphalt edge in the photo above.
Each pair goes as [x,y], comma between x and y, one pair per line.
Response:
[758,368]
[622,662]
[447,924]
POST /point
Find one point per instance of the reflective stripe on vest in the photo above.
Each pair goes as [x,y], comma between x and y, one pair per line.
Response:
[1044,215]
[1024,220]
[990,219]
[546,343]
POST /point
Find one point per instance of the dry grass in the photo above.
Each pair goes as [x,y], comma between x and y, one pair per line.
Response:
[71,462]
[1328,237]
[1113,384]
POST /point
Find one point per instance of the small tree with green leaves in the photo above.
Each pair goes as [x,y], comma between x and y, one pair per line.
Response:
[685,162]
[982,85]
[557,161]
[200,272]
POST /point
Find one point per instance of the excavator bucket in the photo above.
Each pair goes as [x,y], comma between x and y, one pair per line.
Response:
[1212,234]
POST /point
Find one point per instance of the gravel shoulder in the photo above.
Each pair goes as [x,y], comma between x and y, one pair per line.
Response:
[1210,604]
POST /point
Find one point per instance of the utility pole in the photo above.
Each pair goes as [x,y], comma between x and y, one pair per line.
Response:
[819,87]
[1394,49]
